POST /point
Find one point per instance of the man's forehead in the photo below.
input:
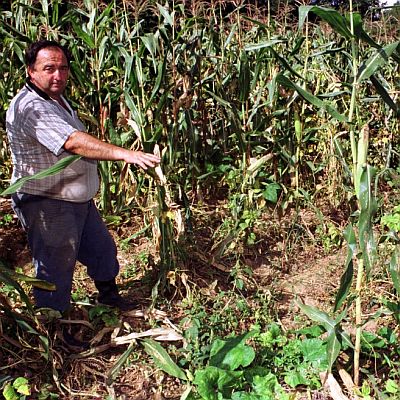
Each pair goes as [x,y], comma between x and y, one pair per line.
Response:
[51,54]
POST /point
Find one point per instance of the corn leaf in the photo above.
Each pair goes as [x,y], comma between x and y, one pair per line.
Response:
[53,170]
[314,100]
[347,278]
[395,271]
[263,45]
[29,279]
[244,77]
[333,348]
[162,359]
[5,278]
[331,16]
[368,207]
[384,94]
[116,368]
[167,16]
[378,59]
[324,319]
[84,36]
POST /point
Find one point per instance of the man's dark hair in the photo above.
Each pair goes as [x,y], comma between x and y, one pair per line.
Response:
[34,48]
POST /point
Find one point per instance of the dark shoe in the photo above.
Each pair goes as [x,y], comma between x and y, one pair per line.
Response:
[109,296]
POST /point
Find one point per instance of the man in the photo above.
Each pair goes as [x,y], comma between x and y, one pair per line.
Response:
[58,213]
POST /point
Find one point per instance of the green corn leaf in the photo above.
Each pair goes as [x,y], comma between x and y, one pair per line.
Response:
[116,368]
[323,318]
[150,42]
[167,16]
[5,278]
[28,279]
[45,8]
[333,348]
[384,94]
[53,170]
[347,278]
[219,99]
[360,32]
[395,272]
[102,51]
[84,36]
[230,36]
[368,207]
[297,46]
[244,77]
[263,45]
[314,100]
[318,316]
[378,59]
[329,15]
[160,78]
[162,359]
[285,64]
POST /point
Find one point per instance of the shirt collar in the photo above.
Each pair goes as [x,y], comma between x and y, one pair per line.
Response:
[33,87]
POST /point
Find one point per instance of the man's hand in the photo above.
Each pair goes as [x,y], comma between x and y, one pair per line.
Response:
[143,160]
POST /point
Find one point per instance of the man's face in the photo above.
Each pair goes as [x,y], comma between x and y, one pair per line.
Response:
[50,71]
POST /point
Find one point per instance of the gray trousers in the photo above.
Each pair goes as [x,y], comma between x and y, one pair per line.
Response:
[59,234]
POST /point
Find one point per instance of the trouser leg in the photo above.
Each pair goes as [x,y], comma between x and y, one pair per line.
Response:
[97,249]
[53,228]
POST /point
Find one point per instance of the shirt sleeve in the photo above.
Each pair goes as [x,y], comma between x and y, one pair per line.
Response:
[44,122]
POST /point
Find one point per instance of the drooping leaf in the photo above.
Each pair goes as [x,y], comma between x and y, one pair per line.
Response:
[84,36]
[116,368]
[162,359]
[333,348]
[368,207]
[379,58]
[384,94]
[55,169]
[262,45]
[394,271]
[347,277]
[359,31]
[324,319]
[314,100]
[337,21]
[167,16]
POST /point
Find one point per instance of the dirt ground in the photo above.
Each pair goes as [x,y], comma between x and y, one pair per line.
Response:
[304,270]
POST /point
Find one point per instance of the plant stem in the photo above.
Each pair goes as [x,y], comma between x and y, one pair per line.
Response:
[357,346]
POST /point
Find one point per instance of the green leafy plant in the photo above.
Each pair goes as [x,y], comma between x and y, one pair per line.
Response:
[18,389]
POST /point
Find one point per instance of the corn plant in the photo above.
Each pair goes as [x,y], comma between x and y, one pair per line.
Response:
[361,245]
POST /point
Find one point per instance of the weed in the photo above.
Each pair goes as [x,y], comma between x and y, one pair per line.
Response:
[17,390]
[103,314]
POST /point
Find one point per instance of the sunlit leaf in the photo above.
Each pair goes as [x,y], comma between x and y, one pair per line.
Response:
[379,58]
[162,359]
[53,170]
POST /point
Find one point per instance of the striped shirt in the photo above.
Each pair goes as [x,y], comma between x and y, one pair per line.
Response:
[37,128]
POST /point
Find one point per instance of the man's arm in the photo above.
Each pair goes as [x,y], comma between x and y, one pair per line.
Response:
[90,147]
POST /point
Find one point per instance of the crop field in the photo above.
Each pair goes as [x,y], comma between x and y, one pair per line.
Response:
[263,252]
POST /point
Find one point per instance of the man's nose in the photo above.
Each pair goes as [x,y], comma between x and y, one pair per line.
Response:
[59,74]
